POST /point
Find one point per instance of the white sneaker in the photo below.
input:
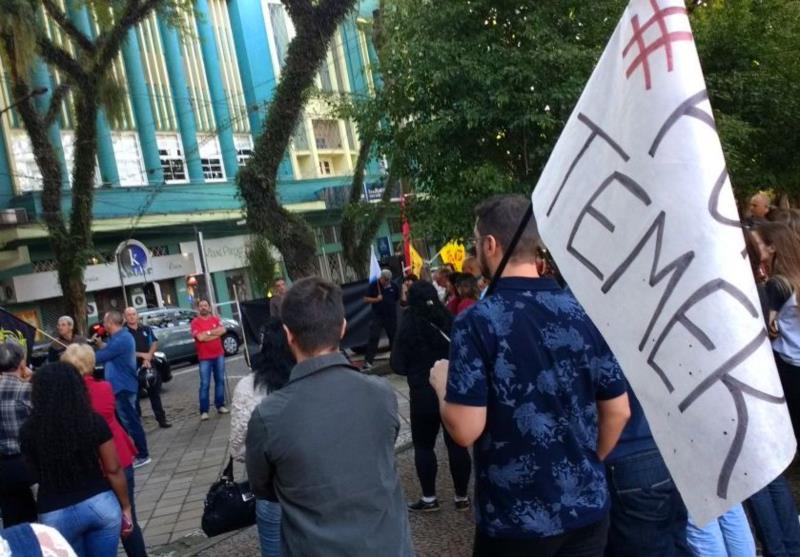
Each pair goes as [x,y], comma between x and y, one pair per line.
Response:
[203,416]
[223,410]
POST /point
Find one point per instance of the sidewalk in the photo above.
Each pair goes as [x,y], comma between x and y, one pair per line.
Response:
[187,459]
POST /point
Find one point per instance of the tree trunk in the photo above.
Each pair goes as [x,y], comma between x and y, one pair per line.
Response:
[257,181]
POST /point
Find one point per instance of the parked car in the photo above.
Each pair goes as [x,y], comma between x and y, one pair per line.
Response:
[172,327]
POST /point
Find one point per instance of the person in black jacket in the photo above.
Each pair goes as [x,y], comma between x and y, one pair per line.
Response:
[422,339]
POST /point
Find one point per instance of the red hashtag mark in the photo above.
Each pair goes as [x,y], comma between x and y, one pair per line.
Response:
[664,41]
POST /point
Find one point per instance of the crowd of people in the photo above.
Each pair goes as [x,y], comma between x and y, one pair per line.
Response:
[71,433]
[562,457]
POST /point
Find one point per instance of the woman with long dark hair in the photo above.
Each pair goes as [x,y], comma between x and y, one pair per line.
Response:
[422,339]
[101,397]
[70,449]
[269,375]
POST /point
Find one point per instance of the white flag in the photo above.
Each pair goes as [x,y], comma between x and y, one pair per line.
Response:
[636,207]
[374,267]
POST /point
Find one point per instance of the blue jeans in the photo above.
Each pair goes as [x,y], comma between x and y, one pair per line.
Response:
[215,366]
[91,527]
[774,517]
[126,411]
[133,544]
[648,516]
[268,520]
[727,536]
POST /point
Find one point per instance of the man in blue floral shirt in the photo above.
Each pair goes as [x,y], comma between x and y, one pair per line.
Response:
[533,385]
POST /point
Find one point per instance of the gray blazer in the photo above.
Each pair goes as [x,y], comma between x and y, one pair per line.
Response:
[325,445]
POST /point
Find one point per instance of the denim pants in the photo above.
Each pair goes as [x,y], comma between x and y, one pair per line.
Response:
[91,527]
[126,411]
[215,366]
[268,520]
[774,517]
[133,544]
[727,536]
[648,516]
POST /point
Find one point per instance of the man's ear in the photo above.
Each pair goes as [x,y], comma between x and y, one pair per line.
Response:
[344,329]
[289,335]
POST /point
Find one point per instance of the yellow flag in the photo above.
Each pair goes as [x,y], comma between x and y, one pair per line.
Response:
[453,253]
[416,262]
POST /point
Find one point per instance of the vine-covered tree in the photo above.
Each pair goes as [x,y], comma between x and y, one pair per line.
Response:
[315,22]
[84,61]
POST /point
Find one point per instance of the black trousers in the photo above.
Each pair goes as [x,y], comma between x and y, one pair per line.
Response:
[379,323]
[589,541]
[425,425]
[154,394]
[790,381]
[16,500]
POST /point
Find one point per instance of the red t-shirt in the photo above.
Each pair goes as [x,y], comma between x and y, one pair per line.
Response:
[210,349]
[102,399]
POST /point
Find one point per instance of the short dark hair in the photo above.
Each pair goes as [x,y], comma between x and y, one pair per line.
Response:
[500,216]
[11,355]
[313,311]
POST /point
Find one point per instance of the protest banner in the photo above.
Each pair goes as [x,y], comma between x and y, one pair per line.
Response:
[636,207]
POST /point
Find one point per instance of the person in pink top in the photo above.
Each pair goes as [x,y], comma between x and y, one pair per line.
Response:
[207,330]
[101,397]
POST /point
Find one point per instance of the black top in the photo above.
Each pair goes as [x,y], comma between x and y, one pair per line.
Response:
[143,337]
[387,307]
[91,480]
[418,344]
[57,348]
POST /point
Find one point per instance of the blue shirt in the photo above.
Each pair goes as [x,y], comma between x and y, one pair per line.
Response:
[532,357]
[119,359]
[636,437]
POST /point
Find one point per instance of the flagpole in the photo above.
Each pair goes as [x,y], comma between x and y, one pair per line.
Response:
[34,327]
[510,250]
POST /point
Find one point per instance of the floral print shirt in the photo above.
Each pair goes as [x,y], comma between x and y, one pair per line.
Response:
[532,357]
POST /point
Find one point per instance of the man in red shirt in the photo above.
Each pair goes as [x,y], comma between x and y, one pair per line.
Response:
[207,330]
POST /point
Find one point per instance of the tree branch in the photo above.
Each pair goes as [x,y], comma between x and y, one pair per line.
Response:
[61,19]
[109,43]
[55,104]
[61,59]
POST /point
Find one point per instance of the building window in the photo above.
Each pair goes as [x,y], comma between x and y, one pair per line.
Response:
[212,169]
[395,226]
[172,165]
[326,167]
[243,155]
[326,134]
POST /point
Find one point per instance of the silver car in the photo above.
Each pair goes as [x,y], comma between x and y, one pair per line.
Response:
[172,327]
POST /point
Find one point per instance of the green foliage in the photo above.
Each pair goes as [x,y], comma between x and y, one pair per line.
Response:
[479,93]
[261,263]
[749,50]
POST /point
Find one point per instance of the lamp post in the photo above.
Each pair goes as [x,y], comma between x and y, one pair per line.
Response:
[33,93]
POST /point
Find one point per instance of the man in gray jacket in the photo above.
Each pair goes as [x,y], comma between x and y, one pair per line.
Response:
[324,444]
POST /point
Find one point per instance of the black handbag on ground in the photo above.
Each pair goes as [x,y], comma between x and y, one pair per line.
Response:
[229,505]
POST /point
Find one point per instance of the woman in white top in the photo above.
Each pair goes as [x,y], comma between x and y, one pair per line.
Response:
[271,373]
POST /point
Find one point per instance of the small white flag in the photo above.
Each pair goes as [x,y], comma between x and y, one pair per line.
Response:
[636,207]
[374,267]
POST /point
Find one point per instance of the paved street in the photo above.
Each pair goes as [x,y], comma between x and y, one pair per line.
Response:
[188,457]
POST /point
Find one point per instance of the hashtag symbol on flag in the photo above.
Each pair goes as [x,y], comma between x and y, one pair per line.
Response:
[664,41]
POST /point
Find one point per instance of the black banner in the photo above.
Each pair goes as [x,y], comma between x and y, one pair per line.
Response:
[14,328]
[256,312]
